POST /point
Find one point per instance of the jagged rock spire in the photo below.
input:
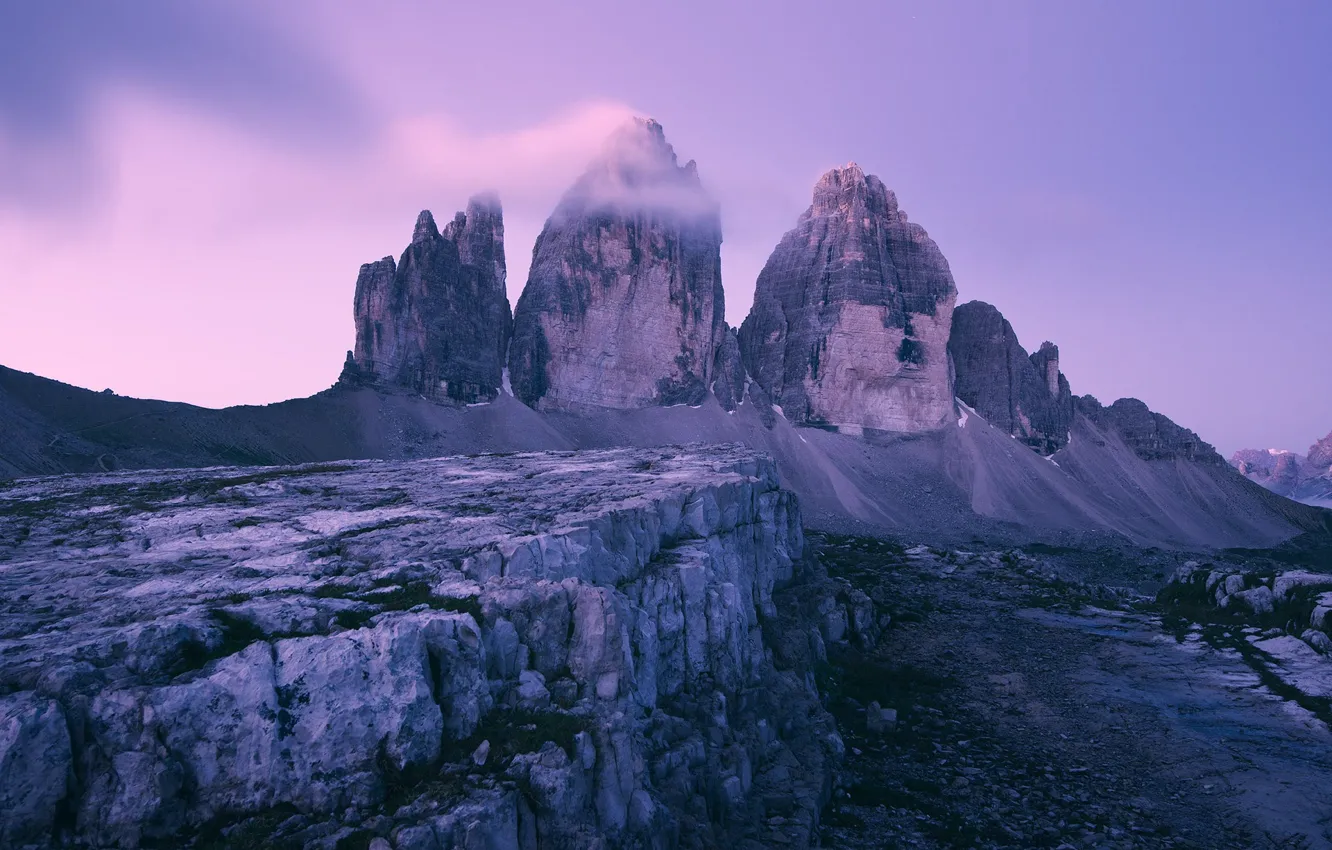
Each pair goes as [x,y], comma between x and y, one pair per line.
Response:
[1027,397]
[623,306]
[437,322]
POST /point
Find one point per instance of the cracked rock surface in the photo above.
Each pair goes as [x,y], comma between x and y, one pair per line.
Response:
[532,650]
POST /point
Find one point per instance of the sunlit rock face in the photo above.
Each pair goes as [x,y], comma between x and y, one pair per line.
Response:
[1027,397]
[623,307]
[452,652]
[852,313]
[437,322]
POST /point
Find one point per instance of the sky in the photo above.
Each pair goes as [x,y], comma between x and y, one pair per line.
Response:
[187,190]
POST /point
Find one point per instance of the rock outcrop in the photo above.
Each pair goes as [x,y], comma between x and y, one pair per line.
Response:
[1027,397]
[545,650]
[1151,435]
[623,306]
[437,322]
[851,314]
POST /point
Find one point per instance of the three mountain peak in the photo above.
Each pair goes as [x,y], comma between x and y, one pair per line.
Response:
[852,328]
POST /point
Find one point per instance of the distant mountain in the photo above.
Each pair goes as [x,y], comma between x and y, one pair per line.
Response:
[1305,478]
[884,407]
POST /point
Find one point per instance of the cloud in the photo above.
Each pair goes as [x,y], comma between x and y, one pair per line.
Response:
[60,59]
[217,267]
[529,162]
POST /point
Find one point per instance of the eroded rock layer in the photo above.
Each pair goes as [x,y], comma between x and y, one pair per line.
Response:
[623,307]
[540,650]
[1026,396]
[852,313]
[1151,435]
[437,322]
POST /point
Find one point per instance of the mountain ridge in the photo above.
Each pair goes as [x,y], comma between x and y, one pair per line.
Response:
[884,406]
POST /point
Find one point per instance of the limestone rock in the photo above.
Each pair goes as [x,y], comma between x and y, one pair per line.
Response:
[851,314]
[34,767]
[1151,435]
[217,644]
[1027,397]
[623,306]
[437,322]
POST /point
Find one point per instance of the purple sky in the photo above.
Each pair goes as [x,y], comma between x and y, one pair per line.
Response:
[187,190]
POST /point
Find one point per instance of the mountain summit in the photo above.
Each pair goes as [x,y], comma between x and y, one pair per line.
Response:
[852,312]
[437,321]
[623,306]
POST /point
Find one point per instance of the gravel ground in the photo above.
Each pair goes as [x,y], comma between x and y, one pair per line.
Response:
[1035,710]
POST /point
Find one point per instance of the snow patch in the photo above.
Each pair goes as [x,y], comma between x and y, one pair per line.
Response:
[506,386]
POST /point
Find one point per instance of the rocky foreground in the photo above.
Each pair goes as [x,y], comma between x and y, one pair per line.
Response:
[602,649]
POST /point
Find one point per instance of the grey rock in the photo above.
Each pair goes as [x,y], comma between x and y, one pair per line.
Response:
[645,582]
[35,763]
[624,305]
[1027,397]
[481,753]
[1318,640]
[729,379]
[851,314]
[437,322]
[1151,435]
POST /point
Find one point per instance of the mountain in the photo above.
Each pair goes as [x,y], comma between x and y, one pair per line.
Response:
[623,306]
[851,314]
[437,322]
[841,374]
[1305,478]
[1026,396]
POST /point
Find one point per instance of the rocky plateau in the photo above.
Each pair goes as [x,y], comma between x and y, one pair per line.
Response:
[604,649]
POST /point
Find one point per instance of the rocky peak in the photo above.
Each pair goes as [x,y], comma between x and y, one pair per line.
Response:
[437,322]
[1025,396]
[623,306]
[1046,361]
[1151,435]
[852,313]
[1320,454]
[425,230]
